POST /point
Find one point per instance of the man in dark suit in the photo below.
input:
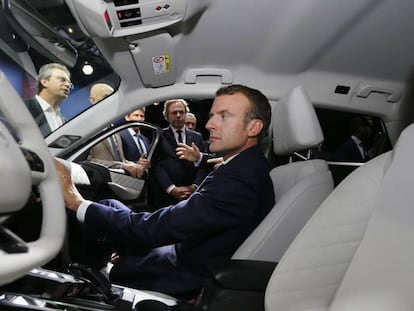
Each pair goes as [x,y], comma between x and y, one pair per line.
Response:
[54,86]
[175,179]
[355,148]
[135,145]
[172,249]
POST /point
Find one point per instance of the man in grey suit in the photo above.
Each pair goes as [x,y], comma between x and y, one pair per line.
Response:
[172,249]
[54,85]
[109,152]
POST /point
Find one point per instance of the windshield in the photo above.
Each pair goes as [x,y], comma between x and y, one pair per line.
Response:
[53,96]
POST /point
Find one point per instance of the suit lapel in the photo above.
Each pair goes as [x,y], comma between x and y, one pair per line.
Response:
[119,147]
[170,142]
[39,116]
[171,138]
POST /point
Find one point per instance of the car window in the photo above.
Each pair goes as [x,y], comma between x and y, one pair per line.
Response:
[24,81]
[338,147]
[340,150]
[337,129]
[21,66]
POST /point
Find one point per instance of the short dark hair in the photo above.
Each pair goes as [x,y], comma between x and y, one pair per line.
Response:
[260,106]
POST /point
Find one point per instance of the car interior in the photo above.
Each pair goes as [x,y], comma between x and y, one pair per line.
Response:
[338,235]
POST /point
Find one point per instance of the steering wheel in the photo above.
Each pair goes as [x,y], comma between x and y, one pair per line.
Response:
[25,163]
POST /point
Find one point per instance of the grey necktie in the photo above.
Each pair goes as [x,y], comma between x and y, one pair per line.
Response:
[140,144]
[114,148]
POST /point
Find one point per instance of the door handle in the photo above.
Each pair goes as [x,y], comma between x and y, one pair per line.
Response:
[391,95]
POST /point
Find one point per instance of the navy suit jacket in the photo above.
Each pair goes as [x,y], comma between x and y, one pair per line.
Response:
[194,235]
[129,146]
[168,169]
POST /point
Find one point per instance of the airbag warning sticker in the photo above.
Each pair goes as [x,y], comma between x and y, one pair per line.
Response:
[161,64]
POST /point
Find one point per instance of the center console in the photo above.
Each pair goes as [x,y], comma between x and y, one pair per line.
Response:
[79,290]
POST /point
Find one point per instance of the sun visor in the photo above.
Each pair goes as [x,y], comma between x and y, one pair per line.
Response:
[154,58]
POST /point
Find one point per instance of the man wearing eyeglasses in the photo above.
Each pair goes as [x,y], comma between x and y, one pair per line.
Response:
[54,85]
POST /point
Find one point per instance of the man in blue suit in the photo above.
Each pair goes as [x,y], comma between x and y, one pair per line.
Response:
[135,145]
[175,179]
[172,249]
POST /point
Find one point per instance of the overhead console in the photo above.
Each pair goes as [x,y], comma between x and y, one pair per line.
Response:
[117,18]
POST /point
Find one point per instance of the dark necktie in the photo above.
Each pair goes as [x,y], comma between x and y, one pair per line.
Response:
[180,136]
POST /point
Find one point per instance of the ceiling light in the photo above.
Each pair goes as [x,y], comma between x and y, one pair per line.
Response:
[87,69]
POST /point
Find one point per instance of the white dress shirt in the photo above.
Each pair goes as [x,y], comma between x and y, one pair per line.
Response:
[53,116]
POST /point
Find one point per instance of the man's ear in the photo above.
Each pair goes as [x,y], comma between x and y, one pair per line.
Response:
[43,82]
[255,127]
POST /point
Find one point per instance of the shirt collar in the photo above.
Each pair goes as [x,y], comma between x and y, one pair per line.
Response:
[132,132]
[45,105]
[356,140]
[231,158]
[175,130]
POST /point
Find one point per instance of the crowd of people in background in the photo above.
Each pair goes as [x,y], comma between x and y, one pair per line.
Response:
[171,179]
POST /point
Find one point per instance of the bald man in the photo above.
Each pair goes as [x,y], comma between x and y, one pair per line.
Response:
[109,152]
[99,91]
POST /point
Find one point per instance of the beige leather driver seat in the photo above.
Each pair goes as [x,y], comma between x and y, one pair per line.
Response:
[300,187]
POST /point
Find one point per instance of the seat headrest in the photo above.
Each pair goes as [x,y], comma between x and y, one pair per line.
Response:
[295,124]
